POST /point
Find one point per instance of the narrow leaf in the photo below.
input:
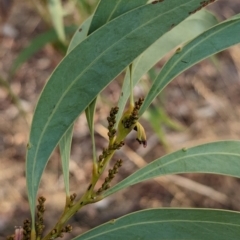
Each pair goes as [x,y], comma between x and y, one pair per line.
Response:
[217,158]
[56,12]
[185,31]
[66,140]
[80,34]
[90,113]
[87,70]
[105,12]
[78,37]
[170,224]
[108,10]
[65,149]
[212,41]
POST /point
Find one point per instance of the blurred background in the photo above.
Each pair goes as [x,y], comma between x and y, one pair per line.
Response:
[199,106]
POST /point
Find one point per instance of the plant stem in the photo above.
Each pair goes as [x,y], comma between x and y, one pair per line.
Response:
[88,197]
[98,168]
[33,234]
[94,149]
[131,85]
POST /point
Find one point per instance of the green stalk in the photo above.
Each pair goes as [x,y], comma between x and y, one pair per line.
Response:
[131,85]
[88,197]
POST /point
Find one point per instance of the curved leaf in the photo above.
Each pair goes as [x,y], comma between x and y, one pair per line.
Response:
[65,149]
[212,41]
[118,9]
[108,10]
[105,12]
[87,70]
[66,140]
[122,7]
[170,224]
[218,158]
[80,34]
[90,113]
[56,12]
[185,31]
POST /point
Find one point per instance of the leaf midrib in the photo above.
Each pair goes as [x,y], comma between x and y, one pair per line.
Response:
[163,221]
[184,157]
[194,46]
[113,10]
[73,82]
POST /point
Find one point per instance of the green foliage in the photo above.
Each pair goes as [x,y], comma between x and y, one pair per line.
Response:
[195,51]
[186,30]
[56,13]
[132,35]
[218,157]
[73,86]
[65,142]
[171,224]
[65,150]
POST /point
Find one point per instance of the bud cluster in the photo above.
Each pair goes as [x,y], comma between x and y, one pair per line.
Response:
[111,175]
[66,229]
[105,153]
[132,119]
[117,146]
[26,229]
[72,198]
[40,211]
[111,122]
[138,104]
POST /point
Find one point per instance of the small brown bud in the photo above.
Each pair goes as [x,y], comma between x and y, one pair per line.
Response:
[54,231]
[41,199]
[73,196]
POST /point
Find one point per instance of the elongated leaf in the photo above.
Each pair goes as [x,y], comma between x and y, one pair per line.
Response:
[86,7]
[66,140]
[185,31]
[118,9]
[108,10]
[65,149]
[218,158]
[78,37]
[105,12]
[208,43]
[56,12]
[90,113]
[36,44]
[170,224]
[80,34]
[87,70]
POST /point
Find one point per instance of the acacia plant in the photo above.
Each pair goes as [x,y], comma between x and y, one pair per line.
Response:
[131,37]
